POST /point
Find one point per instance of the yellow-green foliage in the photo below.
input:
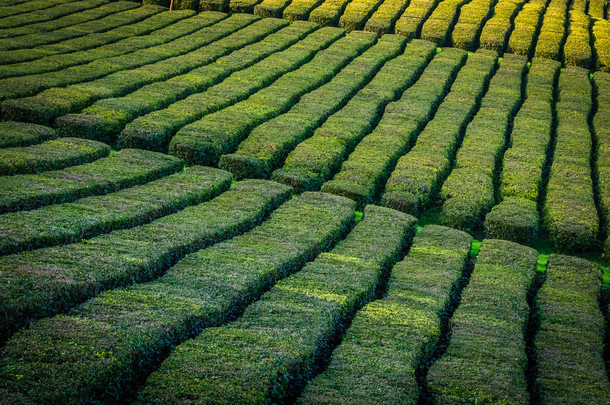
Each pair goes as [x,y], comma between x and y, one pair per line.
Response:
[410,22]
[570,215]
[601,125]
[388,338]
[601,35]
[267,146]
[418,174]
[91,216]
[327,13]
[315,159]
[366,170]
[496,30]
[172,31]
[569,344]
[111,339]
[382,21]
[282,335]
[438,26]
[123,169]
[52,103]
[357,12]
[473,15]
[89,35]
[300,9]
[51,155]
[526,28]
[577,49]
[486,358]
[219,133]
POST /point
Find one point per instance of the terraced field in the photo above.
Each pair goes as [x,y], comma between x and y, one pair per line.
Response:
[240,208]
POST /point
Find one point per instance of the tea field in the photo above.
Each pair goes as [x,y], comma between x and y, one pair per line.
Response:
[361,202]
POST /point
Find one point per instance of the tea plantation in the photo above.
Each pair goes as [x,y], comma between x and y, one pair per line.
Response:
[304,201]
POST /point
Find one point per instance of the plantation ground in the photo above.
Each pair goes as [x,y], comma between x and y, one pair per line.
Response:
[224,208]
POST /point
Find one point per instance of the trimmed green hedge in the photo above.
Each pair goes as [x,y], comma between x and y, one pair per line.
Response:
[234,43]
[497,29]
[486,358]
[469,191]
[157,128]
[14,134]
[267,145]
[553,30]
[301,9]
[44,282]
[410,22]
[313,161]
[570,342]
[596,9]
[601,125]
[219,133]
[270,352]
[516,217]
[51,155]
[126,168]
[89,217]
[601,34]
[50,13]
[143,320]
[89,35]
[271,8]
[365,172]
[577,49]
[156,31]
[570,214]
[357,12]
[61,28]
[383,19]
[176,39]
[419,174]
[473,16]
[22,7]
[527,26]
[439,25]
[327,13]
[52,103]
[389,338]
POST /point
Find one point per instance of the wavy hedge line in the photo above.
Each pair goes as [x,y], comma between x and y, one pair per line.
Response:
[419,174]
[553,30]
[472,18]
[498,29]
[29,6]
[50,13]
[205,140]
[43,282]
[569,343]
[469,191]
[327,13]
[570,214]
[383,19]
[601,126]
[125,168]
[266,146]
[97,33]
[233,44]
[601,34]
[270,352]
[406,321]
[314,160]
[486,358]
[367,168]
[286,53]
[126,329]
[528,23]
[70,25]
[14,134]
[521,185]
[163,28]
[55,154]
[439,25]
[92,216]
[577,49]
